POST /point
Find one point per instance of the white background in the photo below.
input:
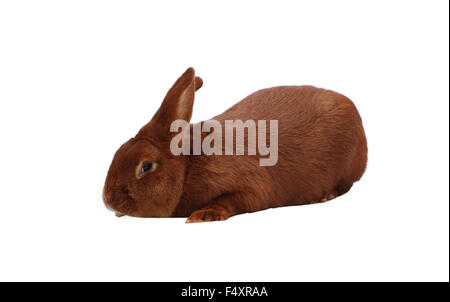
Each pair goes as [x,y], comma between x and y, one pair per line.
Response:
[78,78]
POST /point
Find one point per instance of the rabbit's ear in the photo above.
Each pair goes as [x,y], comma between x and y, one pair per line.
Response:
[198,83]
[177,105]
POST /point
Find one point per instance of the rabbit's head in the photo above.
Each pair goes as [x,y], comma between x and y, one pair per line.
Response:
[145,179]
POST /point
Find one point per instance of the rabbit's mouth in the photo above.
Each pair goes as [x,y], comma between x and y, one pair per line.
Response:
[119,201]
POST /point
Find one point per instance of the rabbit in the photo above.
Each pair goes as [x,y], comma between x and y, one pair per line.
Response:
[322,151]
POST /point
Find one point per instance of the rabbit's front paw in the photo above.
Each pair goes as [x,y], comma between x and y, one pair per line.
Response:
[208,214]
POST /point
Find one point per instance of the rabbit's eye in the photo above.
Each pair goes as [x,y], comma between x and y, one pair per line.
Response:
[146,167]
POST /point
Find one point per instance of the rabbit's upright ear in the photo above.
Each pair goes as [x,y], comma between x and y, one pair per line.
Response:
[177,105]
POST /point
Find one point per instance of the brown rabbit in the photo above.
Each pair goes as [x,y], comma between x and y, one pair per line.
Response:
[322,151]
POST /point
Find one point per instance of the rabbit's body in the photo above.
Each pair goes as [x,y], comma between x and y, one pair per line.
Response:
[322,151]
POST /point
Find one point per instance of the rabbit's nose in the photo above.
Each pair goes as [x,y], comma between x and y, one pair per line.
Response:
[108,206]
[105,201]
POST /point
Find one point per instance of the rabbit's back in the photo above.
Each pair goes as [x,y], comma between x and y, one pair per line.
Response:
[321,141]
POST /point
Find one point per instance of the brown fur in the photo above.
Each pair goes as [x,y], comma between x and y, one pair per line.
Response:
[322,151]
